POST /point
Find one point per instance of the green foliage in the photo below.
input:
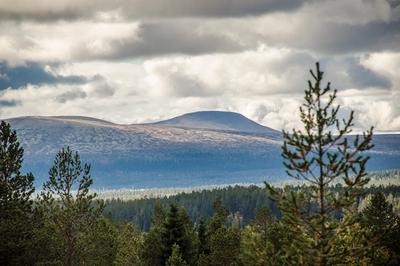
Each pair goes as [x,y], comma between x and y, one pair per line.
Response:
[128,246]
[221,245]
[319,155]
[177,229]
[15,204]
[379,218]
[176,257]
[198,204]
[71,211]
[203,247]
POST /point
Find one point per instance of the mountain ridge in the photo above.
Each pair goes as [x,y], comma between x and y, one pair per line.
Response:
[206,120]
[154,155]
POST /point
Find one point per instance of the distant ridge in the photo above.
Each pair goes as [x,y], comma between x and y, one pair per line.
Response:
[82,118]
[199,148]
[217,120]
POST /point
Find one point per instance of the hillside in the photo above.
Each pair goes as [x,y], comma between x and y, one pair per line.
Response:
[169,154]
[218,120]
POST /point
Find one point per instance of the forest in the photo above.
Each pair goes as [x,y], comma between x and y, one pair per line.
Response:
[321,222]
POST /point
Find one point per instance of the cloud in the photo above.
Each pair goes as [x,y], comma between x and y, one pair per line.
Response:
[71,95]
[326,28]
[44,10]
[32,73]
[9,103]
[162,38]
[137,61]
[101,87]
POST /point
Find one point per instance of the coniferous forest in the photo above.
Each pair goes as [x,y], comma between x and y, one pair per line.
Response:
[321,222]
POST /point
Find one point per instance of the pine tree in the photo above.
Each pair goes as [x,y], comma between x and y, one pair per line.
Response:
[15,203]
[71,208]
[319,155]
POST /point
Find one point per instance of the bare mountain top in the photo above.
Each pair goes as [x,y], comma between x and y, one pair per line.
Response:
[218,120]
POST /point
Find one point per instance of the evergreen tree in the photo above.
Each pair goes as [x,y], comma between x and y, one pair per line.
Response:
[99,243]
[152,253]
[218,220]
[222,244]
[177,230]
[384,224]
[176,257]
[202,237]
[262,221]
[15,204]
[319,155]
[129,244]
[71,208]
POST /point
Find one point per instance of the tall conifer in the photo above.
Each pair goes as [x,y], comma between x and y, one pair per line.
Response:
[320,154]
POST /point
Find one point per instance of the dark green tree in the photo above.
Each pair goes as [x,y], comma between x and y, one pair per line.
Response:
[129,244]
[218,219]
[202,237]
[321,154]
[71,209]
[15,200]
[221,244]
[152,252]
[384,224]
[176,257]
[262,221]
[178,230]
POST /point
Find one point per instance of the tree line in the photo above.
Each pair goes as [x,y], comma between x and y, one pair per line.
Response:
[316,224]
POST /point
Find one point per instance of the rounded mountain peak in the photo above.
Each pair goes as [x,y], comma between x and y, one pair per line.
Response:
[217,120]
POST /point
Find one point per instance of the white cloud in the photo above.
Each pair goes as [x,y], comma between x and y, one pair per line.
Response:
[146,62]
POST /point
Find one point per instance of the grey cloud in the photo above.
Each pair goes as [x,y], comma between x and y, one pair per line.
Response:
[161,38]
[348,72]
[71,95]
[339,38]
[209,8]
[9,103]
[194,37]
[32,73]
[139,9]
[102,87]
[185,86]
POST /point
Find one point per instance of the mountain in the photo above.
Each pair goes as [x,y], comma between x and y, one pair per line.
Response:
[218,120]
[169,154]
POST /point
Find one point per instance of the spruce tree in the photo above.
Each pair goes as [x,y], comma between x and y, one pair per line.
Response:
[319,155]
[202,237]
[15,202]
[177,231]
[152,252]
[384,224]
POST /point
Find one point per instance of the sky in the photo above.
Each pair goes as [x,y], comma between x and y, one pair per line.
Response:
[134,61]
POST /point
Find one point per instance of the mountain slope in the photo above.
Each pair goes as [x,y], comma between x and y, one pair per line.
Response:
[160,155]
[218,120]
